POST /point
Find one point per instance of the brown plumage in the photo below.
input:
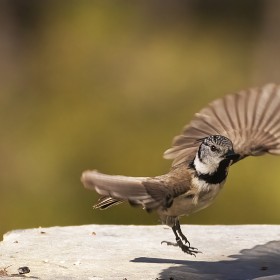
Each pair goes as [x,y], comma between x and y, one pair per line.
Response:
[249,118]
[227,130]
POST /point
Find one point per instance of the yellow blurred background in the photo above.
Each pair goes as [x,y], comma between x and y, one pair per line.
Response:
[107,84]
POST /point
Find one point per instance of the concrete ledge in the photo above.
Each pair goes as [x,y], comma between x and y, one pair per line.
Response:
[134,252]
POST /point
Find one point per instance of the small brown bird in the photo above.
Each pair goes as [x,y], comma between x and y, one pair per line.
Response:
[229,129]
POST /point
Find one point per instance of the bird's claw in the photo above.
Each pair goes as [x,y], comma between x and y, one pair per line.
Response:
[185,248]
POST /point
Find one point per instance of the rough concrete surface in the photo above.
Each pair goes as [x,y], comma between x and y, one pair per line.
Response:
[96,252]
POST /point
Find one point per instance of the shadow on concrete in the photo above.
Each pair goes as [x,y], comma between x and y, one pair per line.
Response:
[261,262]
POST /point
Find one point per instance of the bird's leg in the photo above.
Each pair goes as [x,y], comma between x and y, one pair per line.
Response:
[186,248]
[183,237]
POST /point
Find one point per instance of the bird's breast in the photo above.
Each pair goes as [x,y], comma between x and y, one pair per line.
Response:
[199,197]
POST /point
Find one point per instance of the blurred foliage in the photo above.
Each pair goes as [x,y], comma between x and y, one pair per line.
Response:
[106,85]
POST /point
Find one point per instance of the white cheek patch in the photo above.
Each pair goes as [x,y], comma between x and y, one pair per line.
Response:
[205,168]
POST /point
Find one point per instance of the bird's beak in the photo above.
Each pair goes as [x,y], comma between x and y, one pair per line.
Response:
[232,155]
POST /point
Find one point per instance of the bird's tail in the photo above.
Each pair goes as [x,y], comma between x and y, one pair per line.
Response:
[105,202]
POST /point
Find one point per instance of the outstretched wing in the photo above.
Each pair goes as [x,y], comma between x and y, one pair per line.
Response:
[147,192]
[249,118]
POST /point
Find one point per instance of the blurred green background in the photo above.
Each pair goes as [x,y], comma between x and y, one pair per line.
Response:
[107,84]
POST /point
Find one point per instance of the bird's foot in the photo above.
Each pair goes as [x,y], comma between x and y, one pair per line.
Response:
[185,248]
[168,243]
[184,238]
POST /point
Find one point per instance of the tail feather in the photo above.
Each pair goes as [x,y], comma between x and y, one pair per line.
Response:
[105,202]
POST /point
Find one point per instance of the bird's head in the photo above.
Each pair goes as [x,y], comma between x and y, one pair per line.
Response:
[212,151]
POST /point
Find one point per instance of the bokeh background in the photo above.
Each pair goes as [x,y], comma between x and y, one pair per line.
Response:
[107,84]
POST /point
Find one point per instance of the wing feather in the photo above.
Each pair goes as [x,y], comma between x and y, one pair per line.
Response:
[116,189]
[249,118]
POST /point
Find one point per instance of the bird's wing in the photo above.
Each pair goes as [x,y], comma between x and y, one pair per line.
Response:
[249,118]
[135,190]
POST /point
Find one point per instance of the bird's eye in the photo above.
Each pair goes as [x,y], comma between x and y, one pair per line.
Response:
[213,148]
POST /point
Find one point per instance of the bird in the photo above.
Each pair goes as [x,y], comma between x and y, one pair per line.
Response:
[229,129]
